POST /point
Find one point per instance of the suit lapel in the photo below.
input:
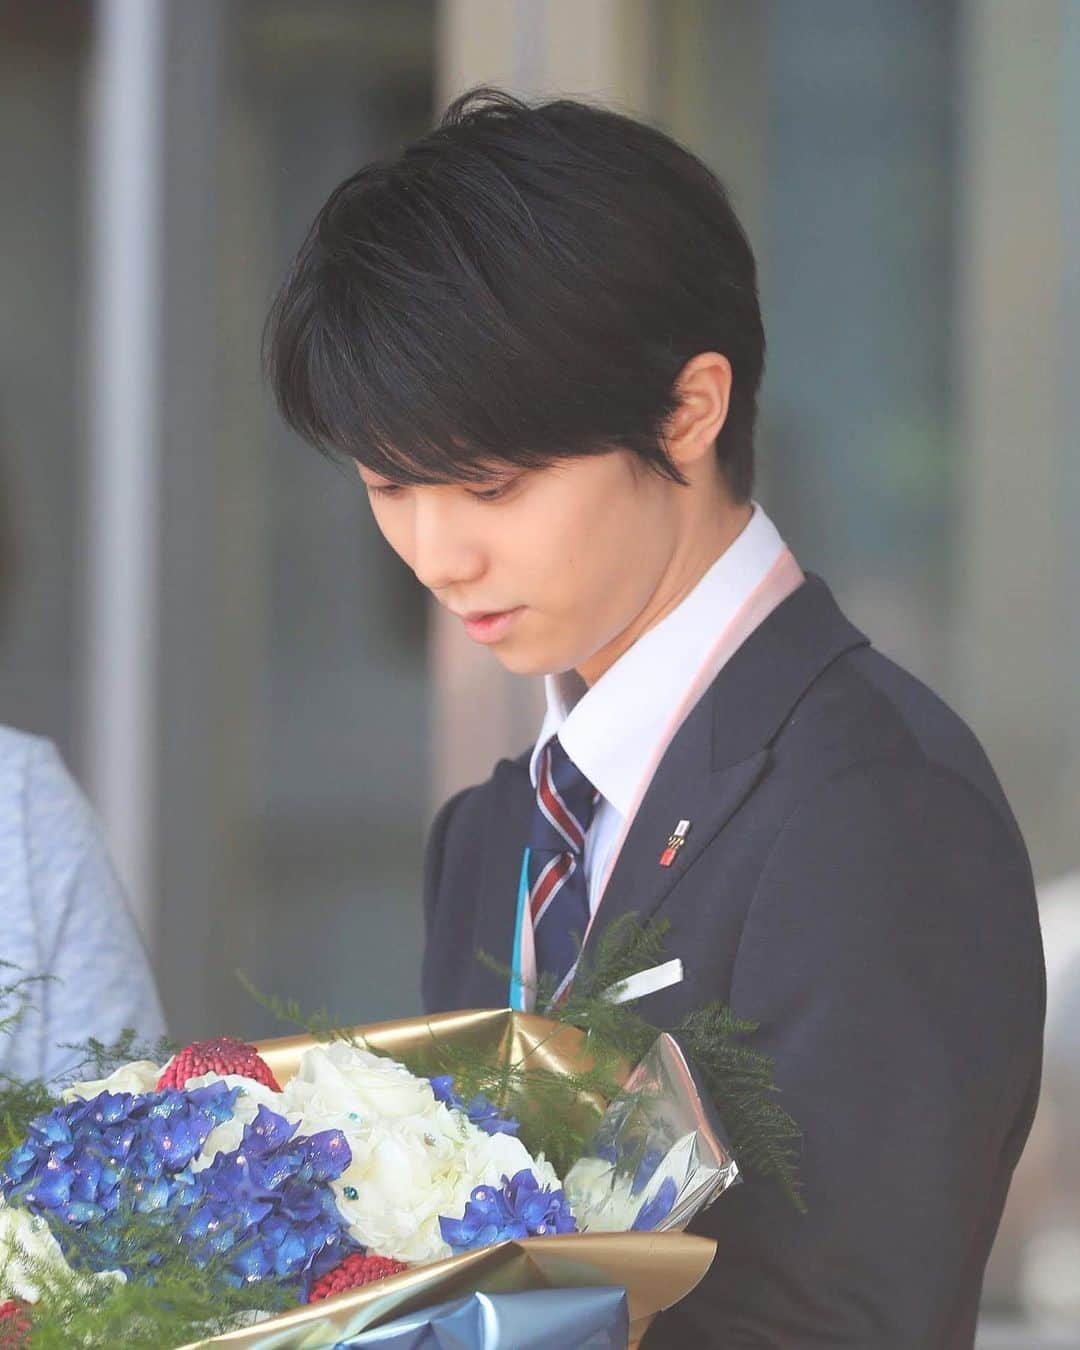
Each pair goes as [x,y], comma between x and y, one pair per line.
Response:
[721,751]
[684,786]
[713,763]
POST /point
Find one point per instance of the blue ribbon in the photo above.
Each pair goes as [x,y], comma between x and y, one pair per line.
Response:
[536,1319]
[518,991]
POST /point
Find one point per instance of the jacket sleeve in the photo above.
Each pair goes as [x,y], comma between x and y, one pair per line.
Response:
[891,957]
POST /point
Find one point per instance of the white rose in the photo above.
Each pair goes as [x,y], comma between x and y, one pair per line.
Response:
[340,1079]
[29,1255]
[392,1193]
[141,1075]
[602,1197]
[599,1197]
[407,1173]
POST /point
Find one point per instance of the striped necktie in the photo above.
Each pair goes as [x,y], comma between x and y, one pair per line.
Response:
[558,892]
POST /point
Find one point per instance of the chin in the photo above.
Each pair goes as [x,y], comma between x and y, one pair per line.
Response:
[525,660]
[522,663]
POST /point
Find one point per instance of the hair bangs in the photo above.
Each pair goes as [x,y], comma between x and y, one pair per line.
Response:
[373,353]
[380,394]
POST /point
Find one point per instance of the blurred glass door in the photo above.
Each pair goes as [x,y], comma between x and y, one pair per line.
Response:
[293,671]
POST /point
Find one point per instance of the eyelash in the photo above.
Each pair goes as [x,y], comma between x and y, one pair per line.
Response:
[488,495]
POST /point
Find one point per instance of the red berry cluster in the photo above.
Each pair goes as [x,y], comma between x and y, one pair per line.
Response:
[14,1325]
[223,1056]
[352,1273]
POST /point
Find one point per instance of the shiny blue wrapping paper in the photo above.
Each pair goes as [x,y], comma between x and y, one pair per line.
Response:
[542,1319]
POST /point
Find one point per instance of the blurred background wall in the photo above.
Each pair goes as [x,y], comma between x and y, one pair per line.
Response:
[199,611]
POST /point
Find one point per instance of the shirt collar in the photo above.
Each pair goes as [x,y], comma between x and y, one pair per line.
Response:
[611,729]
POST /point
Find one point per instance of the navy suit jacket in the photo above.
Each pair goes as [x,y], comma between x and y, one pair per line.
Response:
[854,882]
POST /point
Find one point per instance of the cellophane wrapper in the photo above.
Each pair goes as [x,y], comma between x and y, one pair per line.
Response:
[659,1148]
[664,1128]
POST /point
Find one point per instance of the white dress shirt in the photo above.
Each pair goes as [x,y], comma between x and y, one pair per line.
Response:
[612,729]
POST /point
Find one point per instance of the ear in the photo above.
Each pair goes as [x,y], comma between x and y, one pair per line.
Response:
[703,388]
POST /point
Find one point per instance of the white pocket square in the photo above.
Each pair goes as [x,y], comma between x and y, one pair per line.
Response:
[646,982]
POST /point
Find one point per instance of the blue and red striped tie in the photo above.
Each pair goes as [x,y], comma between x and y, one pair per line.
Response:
[558,891]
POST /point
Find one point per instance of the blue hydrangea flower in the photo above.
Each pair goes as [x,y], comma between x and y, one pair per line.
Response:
[651,1159]
[653,1212]
[265,1207]
[482,1112]
[74,1159]
[520,1208]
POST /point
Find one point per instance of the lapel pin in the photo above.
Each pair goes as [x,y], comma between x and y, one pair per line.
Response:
[674,843]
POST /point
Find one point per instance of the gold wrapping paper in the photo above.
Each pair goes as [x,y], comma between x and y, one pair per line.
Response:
[548,1044]
[657,1269]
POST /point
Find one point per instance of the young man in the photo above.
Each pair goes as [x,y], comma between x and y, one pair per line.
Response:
[537,334]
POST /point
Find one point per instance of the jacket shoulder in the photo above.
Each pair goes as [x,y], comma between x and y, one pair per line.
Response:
[865,708]
[469,804]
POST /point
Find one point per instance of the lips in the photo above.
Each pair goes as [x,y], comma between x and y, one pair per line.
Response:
[470,615]
[490,625]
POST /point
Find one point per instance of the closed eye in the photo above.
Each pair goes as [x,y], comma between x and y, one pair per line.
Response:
[492,494]
[484,495]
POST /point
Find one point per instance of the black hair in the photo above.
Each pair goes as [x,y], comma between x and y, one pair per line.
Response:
[522,284]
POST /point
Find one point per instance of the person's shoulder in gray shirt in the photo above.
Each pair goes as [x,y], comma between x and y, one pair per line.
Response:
[63,914]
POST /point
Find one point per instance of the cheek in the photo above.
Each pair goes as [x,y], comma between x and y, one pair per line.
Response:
[394,528]
[597,568]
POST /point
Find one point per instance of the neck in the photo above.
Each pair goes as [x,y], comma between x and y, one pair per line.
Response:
[686,568]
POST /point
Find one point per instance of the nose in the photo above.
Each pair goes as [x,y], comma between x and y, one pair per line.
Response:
[445,550]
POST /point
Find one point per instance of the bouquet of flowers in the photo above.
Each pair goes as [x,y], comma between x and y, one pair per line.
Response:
[302,1192]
